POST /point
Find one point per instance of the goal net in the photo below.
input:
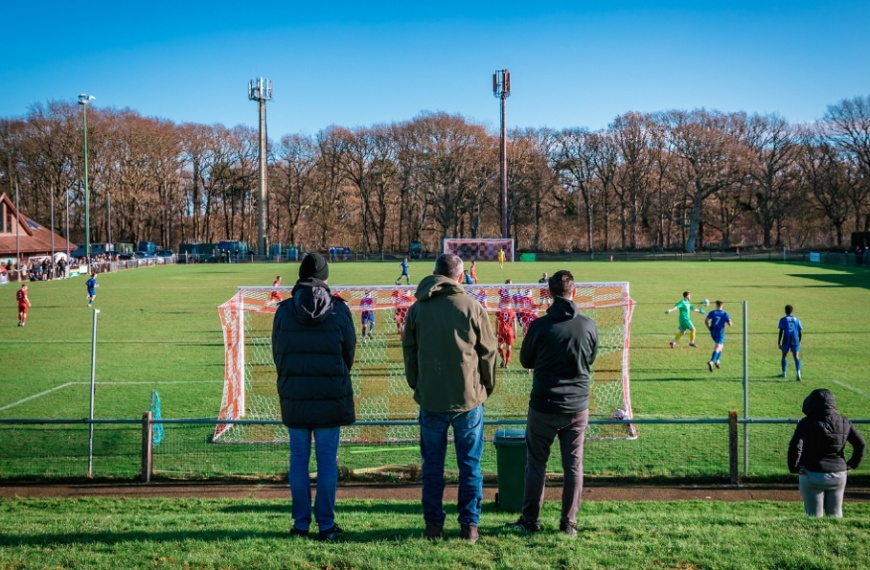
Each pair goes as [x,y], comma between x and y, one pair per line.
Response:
[385,408]
[479,249]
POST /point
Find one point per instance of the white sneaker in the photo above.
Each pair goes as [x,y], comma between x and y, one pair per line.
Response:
[798,376]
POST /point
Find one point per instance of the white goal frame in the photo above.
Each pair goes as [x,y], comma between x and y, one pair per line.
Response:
[385,409]
[480,249]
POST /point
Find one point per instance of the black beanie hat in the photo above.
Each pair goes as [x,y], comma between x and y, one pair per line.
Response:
[314,265]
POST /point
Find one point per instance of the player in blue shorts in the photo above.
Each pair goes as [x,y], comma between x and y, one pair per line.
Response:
[405,272]
[715,322]
[92,288]
[367,316]
[790,335]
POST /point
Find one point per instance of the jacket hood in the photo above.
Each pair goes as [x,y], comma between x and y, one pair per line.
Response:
[434,285]
[562,309]
[820,403]
[312,300]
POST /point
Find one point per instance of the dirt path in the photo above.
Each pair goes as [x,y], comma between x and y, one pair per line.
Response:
[405,492]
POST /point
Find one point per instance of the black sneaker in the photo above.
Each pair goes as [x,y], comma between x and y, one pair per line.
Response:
[297,533]
[330,534]
[523,525]
[568,529]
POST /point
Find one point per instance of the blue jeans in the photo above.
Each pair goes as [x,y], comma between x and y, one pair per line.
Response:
[326,454]
[468,440]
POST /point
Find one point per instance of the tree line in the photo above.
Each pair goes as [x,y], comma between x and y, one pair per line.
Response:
[672,180]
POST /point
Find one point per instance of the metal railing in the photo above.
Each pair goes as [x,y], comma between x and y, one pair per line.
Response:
[669,450]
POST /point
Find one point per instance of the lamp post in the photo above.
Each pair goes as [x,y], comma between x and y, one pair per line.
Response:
[501,89]
[83,101]
[261,91]
[51,265]
[68,259]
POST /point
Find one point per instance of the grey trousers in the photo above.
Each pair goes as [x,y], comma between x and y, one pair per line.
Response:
[541,430]
[822,493]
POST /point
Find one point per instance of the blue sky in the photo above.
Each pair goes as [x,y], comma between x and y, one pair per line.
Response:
[365,63]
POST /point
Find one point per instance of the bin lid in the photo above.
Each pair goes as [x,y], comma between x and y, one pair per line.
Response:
[510,436]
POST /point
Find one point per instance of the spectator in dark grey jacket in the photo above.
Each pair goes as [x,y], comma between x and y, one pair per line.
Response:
[816,453]
[313,344]
[561,347]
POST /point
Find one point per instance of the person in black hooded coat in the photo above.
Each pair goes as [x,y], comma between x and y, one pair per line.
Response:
[313,345]
[816,454]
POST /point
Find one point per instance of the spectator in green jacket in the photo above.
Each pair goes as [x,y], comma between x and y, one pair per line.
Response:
[450,350]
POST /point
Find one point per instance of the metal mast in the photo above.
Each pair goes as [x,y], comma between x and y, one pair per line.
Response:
[260,90]
[501,89]
[84,99]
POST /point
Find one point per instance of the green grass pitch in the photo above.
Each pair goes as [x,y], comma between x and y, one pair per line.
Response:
[158,329]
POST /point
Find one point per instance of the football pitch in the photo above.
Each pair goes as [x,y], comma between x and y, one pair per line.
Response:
[158,329]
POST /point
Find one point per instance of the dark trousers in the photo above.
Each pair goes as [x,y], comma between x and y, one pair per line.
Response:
[541,430]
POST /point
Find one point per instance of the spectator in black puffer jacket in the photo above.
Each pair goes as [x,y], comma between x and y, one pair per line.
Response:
[313,344]
[816,453]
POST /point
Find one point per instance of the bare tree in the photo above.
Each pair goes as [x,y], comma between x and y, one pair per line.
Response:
[771,169]
[708,148]
[574,163]
[848,125]
[633,135]
[827,178]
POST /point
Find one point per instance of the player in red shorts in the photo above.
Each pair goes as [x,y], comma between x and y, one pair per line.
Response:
[275,296]
[505,330]
[23,304]
[480,295]
[527,312]
[402,301]
[505,298]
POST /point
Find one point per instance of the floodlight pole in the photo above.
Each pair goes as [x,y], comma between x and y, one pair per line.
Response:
[66,268]
[501,89]
[51,265]
[84,99]
[260,90]
[17,231]
[109,216]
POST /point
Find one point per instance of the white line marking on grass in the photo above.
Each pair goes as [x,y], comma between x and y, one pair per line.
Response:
[852,388]
[156,382]
[28,398]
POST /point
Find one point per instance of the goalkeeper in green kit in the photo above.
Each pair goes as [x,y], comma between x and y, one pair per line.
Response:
[685,308]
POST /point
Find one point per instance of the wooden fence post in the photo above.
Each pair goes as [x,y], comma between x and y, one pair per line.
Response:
[147,447]
[732,447]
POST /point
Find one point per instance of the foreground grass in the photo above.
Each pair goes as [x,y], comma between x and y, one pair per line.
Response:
[252,534]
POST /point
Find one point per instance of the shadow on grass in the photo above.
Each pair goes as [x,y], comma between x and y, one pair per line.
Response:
[367,536]
[858,280]
[407,519]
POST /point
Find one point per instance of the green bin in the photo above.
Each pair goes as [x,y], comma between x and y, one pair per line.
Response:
[510,450]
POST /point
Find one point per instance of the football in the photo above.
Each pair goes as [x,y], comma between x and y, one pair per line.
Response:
[705,302]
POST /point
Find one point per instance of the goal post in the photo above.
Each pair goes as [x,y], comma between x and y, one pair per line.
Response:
[385,408]
[479,249]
